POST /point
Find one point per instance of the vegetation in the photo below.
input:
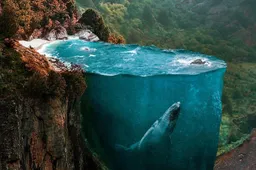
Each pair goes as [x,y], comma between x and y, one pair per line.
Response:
[23,16]
[239,109]
[92,19]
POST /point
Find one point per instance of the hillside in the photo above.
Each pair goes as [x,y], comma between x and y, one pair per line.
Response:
[26,17]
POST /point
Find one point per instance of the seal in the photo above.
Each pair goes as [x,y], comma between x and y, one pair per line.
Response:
[163,127]
[150,152]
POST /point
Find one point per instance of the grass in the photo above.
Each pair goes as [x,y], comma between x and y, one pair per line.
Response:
[239,88]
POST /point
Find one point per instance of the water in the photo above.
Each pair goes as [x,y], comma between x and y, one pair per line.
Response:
[130,87]
[108,59]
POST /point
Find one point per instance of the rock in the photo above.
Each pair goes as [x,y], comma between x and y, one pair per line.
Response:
[61,33]
[51,36]
[37,33]
[198,61]
[94,20]
[58,33]
[9,42]
[87,35]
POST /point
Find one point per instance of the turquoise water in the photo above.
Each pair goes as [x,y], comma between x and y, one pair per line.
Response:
[130,87]
[109,59]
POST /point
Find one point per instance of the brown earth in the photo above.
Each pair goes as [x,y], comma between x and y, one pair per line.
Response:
[241,158]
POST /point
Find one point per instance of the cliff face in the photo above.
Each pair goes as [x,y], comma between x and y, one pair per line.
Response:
[40,118]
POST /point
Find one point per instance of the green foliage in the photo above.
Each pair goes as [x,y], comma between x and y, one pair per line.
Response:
[163,18]
[237,95]
[227,108]
[147,16]
[86,3]
[233,145]
[172,24]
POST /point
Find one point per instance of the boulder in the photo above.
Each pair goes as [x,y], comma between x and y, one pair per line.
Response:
[51,36]
[37,33]
[198,61]
[58,33]
[87,35]
[94,20]
[61,33]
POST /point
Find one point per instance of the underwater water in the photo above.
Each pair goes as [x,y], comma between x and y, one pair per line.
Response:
[130,87]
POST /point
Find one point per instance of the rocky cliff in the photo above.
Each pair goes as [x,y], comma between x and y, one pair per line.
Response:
[36,17]
[40,118]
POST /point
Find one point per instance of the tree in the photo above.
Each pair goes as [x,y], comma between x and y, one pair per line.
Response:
[163,18]
[9,16]
[86,3]
[147,16]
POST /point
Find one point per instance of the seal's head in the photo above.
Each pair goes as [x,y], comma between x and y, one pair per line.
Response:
[171,113]
[175,111]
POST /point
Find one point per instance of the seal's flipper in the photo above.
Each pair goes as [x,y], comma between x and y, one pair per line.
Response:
[120,148]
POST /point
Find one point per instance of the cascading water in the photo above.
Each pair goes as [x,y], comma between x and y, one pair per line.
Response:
[130,87]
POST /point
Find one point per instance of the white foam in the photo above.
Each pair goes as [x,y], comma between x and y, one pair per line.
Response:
[85,48]
[73,37]
[85,65]
[132,52]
